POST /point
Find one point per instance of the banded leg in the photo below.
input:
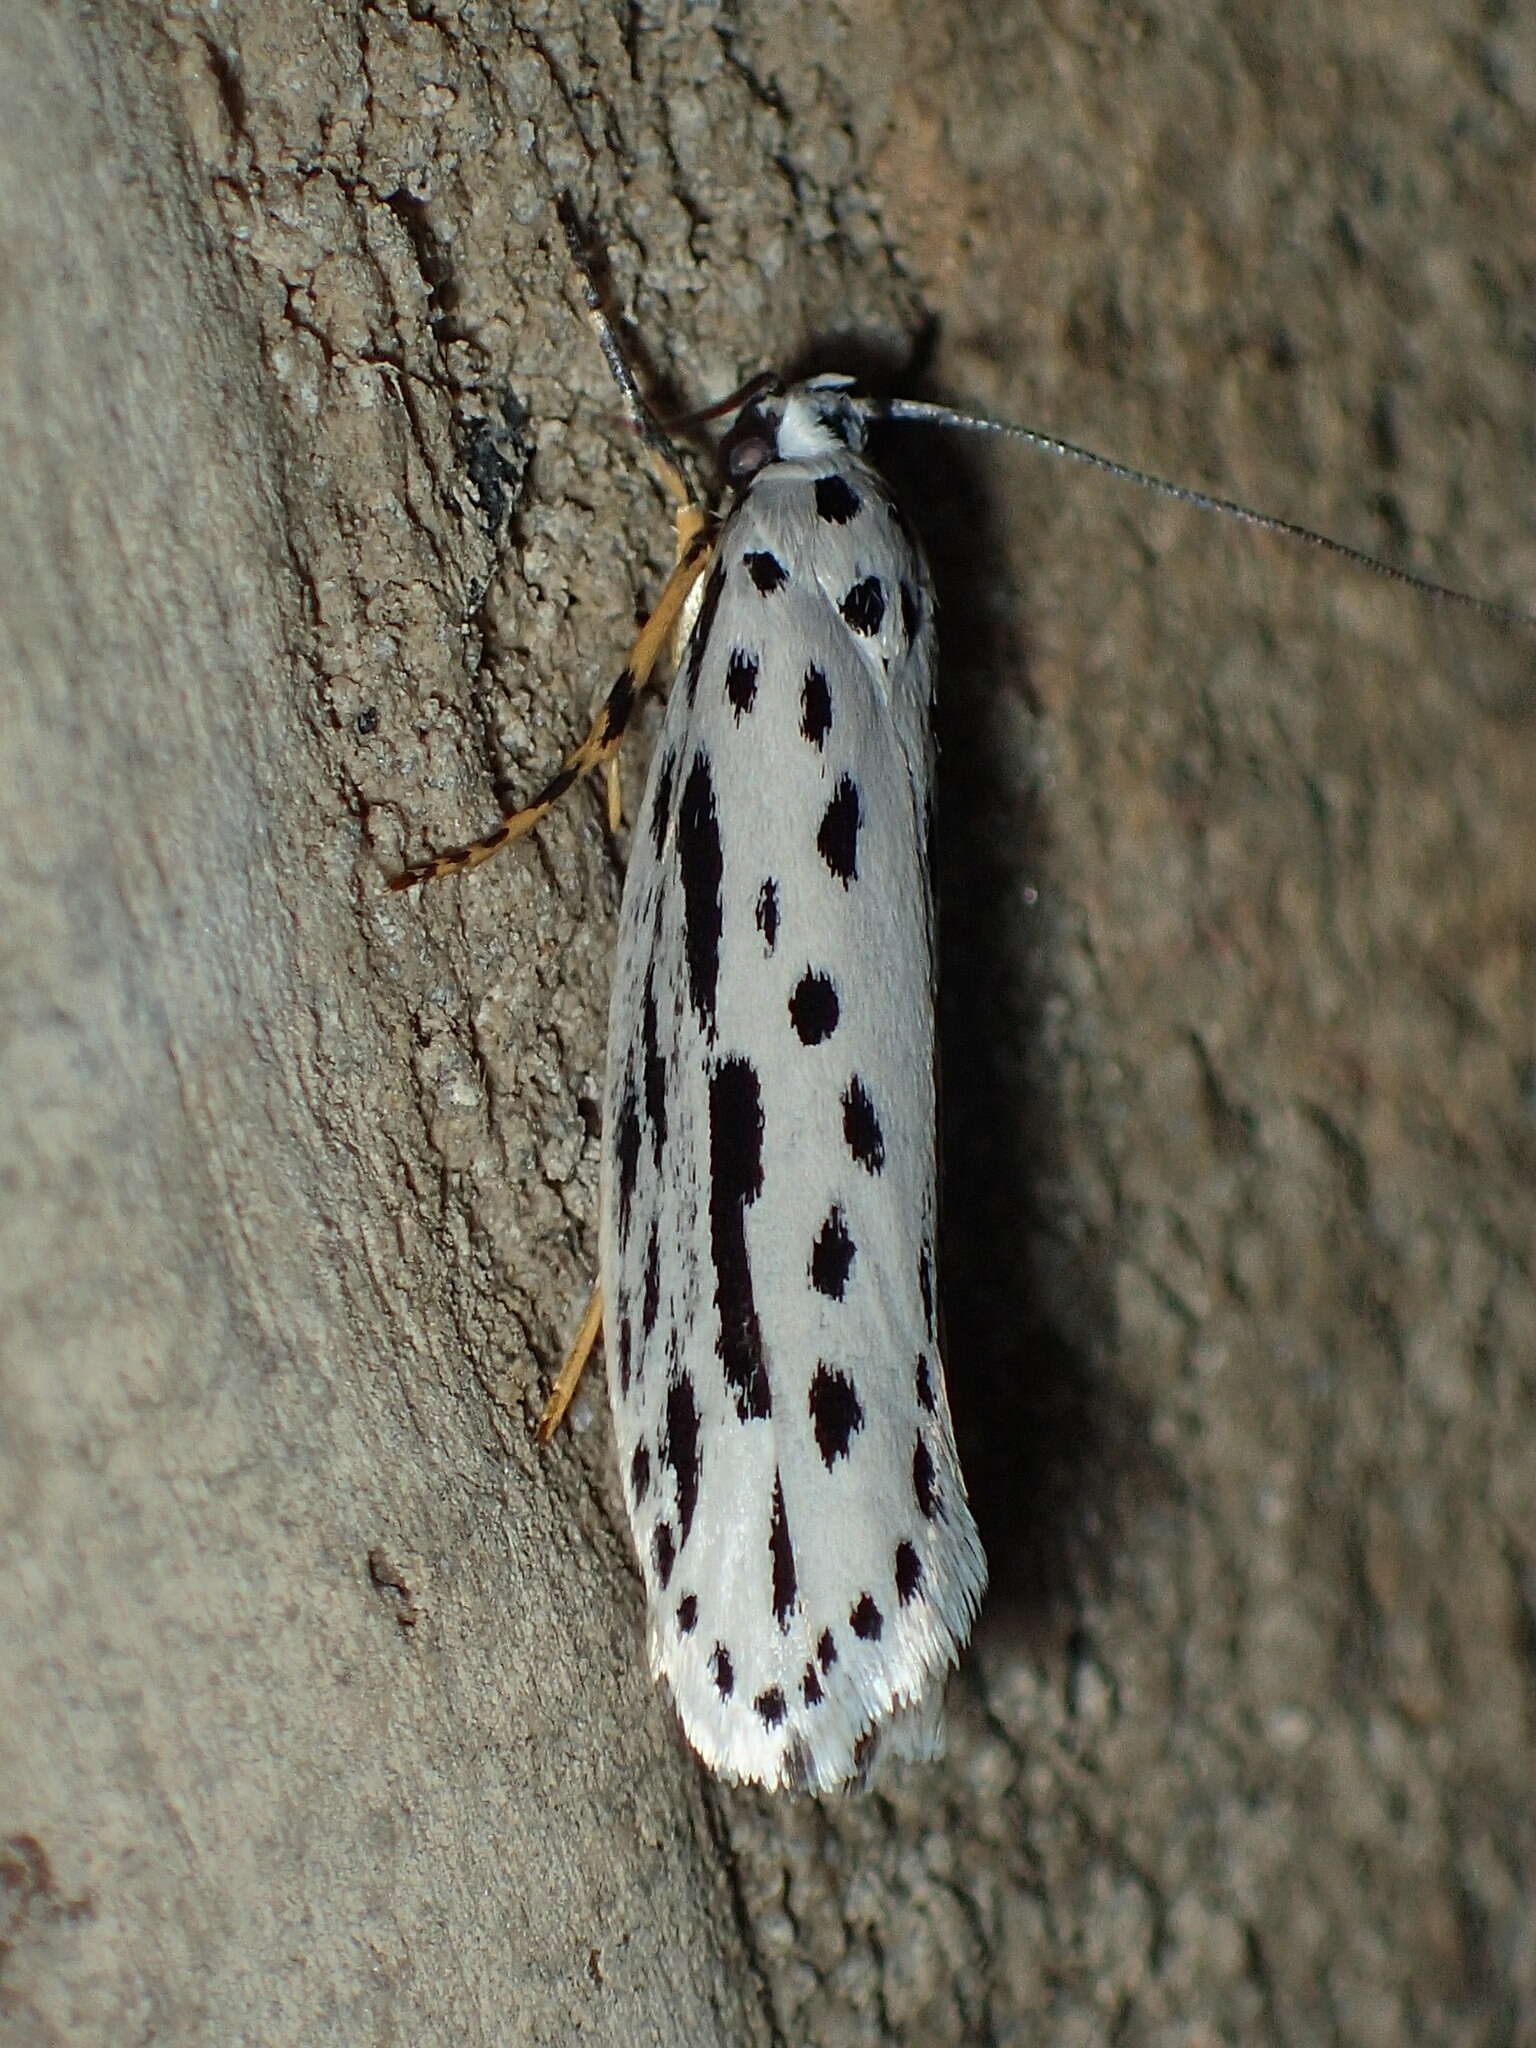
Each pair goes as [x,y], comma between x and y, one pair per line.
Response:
[601,745]
[654,437]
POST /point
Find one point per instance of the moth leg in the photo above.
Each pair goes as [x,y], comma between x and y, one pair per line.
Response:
[570,1373]
[601,744]
[657,442]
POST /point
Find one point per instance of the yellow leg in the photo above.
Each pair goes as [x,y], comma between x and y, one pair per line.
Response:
[601,745]
[570,1373]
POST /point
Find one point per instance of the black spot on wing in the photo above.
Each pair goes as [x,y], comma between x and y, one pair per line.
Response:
[769,1706]
[627,1152]
[813,1008]
[863,605]
[661,800]
[832,1256]
[925,1284]
[866,1620]
[735,1182]
[654,1067]
[926,1396]
[861,1128]
[640,1474]
[836,500]
[837,838]
[703,626]
[650,1300]
[663,1552]
[911,611]
[624,1354]
[680,1450]
[810,1687]
[768,913]
[688,1613]
[826,1651]
[815,706]
[741,681]
[923,1481]
[837,1415]
[768,573]
[722,1672]
[701,863]
[909,1573]
[782,1553]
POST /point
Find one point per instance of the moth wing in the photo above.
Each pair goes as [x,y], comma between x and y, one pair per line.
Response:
[768,1191]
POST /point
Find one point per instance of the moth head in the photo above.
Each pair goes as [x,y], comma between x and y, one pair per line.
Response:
[782,423]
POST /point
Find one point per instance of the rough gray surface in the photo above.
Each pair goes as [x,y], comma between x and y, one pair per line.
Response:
[322,1708]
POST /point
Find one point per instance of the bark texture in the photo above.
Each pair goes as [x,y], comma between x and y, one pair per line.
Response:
[323,1714]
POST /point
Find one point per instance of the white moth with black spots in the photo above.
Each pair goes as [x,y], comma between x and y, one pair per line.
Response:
[767,1280]
[811,1567]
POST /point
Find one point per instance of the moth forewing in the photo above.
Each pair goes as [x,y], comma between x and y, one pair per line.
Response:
[811,1566]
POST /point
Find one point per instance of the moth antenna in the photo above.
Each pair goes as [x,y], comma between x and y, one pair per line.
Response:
[765,380]
[913,411]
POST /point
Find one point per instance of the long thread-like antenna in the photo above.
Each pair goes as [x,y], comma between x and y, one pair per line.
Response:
[914,411]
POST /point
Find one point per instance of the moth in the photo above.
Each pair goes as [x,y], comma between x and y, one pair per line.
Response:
[767,1264]
[767,1290]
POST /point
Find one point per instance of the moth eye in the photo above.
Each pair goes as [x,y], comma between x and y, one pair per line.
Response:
[748,457]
